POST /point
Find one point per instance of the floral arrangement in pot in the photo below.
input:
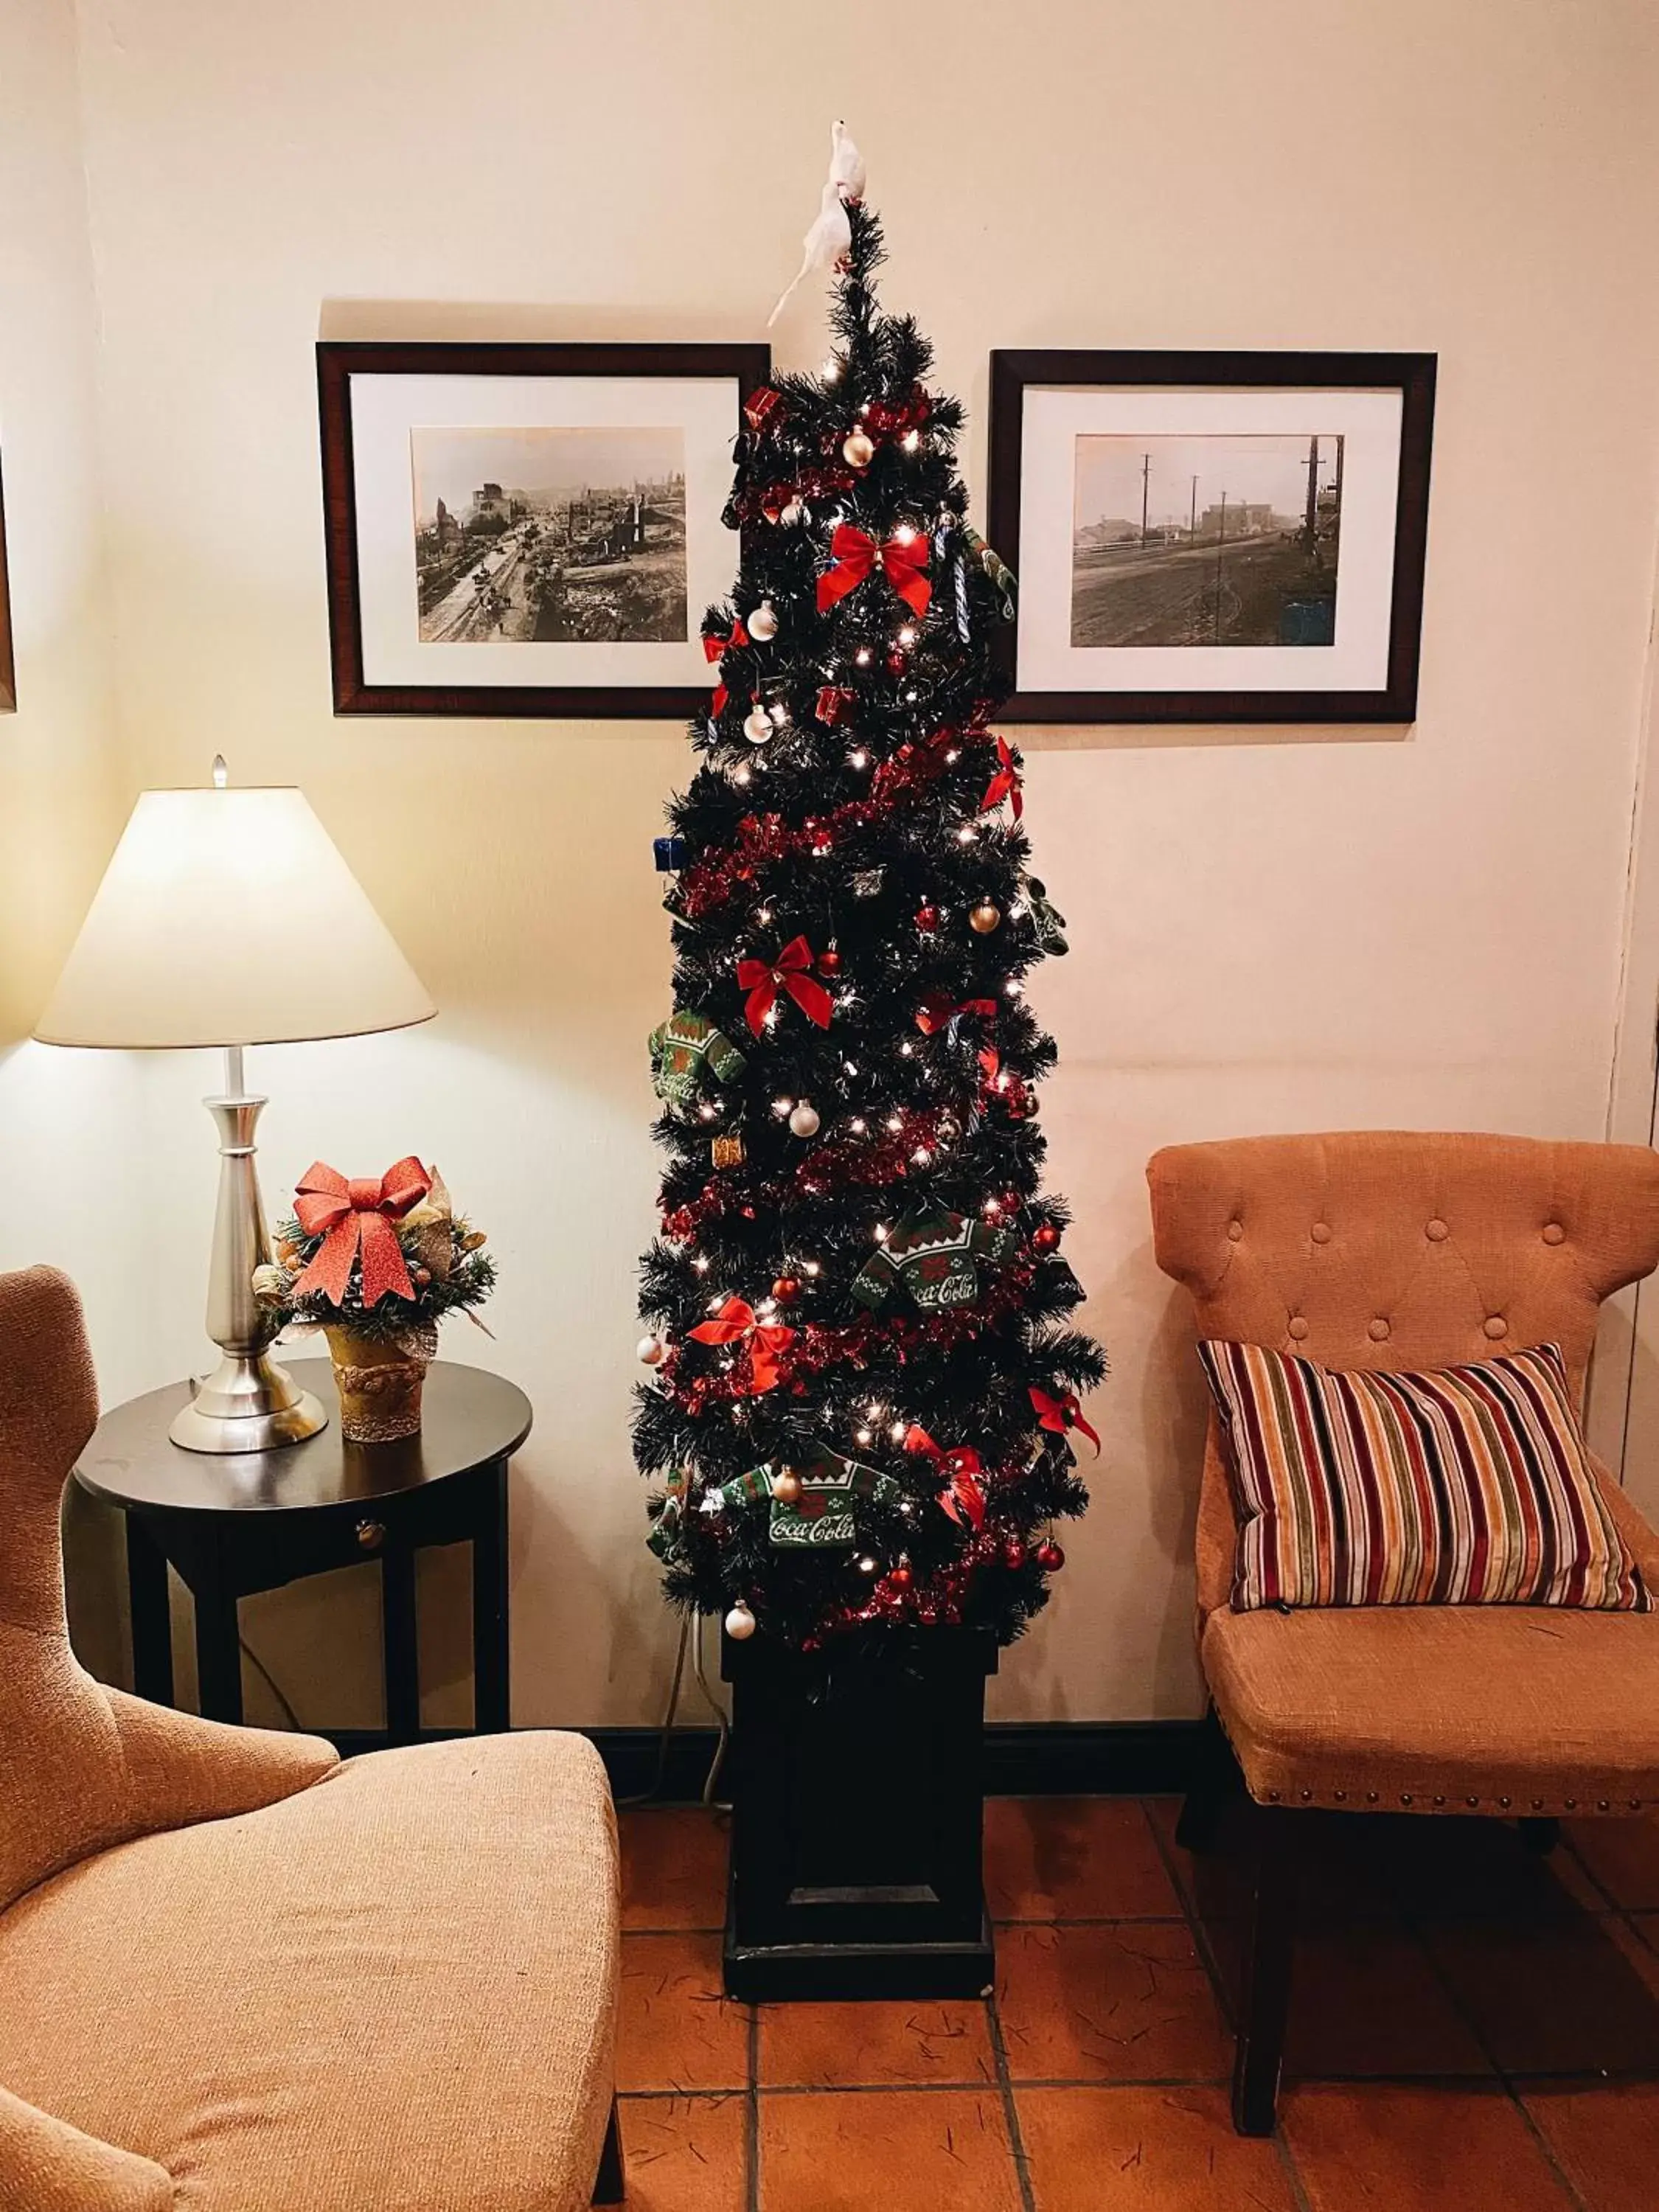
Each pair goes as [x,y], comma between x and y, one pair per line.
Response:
[376,1265]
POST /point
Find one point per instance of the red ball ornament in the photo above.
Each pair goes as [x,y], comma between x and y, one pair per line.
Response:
[899,1578]
[1013,1552]
[786,1289]
[927,916]
[829,961]
[1046,1237]
[1050,1558]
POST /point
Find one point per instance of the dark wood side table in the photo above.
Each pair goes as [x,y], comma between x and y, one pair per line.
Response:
[236,1524]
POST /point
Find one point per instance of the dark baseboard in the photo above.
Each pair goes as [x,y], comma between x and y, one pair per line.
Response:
[1023,1758]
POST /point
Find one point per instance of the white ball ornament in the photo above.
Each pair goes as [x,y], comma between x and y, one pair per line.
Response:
[858,451]
[739,1623]
[757,727]
[652,1351]
[763,623]
[793,514]
[804,1121]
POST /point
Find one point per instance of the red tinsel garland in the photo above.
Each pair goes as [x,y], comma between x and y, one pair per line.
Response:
[765,839]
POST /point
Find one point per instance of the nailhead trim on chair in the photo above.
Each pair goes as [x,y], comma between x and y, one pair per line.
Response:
[1474,1804]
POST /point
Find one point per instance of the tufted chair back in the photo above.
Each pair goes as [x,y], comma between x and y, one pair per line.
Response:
[82,1767]
[1396,1249]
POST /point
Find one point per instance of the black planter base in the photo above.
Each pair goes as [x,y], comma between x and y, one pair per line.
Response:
[798,1974]
[856,1801]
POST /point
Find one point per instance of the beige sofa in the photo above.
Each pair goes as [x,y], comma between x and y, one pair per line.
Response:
[239,1975]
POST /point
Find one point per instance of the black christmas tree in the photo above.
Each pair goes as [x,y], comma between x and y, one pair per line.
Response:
[866,1392]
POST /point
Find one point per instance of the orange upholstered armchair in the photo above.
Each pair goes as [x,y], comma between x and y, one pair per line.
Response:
[239,1975]
[1406,1251]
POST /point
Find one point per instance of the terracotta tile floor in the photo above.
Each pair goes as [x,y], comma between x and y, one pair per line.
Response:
[1472,2028]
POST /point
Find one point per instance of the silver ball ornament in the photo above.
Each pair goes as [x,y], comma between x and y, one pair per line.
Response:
[804,1120]
[652,1351]
[757,727]
[763,623]
[739,1623]
[858,451]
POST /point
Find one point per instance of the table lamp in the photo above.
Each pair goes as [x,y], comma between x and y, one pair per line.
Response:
[229,918]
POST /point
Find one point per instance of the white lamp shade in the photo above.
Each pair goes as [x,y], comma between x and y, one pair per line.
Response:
[228,917]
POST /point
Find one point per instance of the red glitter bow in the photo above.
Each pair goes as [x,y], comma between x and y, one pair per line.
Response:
[964,1498]
[761,405]
[354,1216]
[1062,1413]
[938,1007]
[764,979]
[712,647]
[1005,784]
[903,563]
[737,1320]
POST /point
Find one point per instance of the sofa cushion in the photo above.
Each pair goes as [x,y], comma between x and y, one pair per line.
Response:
[392,1991]
[1461,1486]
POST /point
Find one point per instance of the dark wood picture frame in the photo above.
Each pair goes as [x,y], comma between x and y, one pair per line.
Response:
[1412,373]
[337,362]
[8,664]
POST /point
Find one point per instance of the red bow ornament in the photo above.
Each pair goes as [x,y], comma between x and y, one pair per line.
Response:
[938,1007]
[764,979]
[713,647]
[964,1499]
[738,1321]
[903,563]
[1062,1413]
[1005,784]
[352,1217]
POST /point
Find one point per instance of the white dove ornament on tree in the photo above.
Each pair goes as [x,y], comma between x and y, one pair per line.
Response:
[831,234]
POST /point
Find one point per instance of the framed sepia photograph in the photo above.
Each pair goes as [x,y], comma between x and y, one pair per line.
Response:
[1212,537]
[8,663]
[527,530]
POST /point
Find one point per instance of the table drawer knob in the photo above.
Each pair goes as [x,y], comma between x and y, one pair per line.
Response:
[371,1535]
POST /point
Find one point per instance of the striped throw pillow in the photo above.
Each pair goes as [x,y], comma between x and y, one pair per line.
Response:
[1471,1486]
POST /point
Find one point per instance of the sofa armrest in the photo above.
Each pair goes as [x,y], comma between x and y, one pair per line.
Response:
[47,2166]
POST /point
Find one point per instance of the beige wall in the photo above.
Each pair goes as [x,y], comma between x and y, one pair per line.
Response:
[1272,929]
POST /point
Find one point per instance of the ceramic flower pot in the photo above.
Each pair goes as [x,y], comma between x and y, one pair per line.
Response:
[379,1383]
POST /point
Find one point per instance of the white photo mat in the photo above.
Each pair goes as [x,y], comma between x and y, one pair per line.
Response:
[386,408]
[1056,416]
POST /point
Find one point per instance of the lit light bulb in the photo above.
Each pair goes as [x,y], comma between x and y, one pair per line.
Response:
[705,1113]
[881,1233]
[897,1432]
[831,370]
[858,757]
[906,636]
[865,1436]
[862,656]
[810,1267]
[783,1106]
[715,1303]
[1013,987]
[910,695]
[952,755]
[910,441]
[701,1264]
[763,914]
[857,1126]
[905,534]
[965,835]
[896,1122]
[739,775]
[922,1156]
[907,1049]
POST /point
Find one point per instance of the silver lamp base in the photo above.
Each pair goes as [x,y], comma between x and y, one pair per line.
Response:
[248,1404]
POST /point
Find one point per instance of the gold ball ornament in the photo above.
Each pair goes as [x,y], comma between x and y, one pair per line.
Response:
[763,623]
[984,917]
[757,727]
[858,451]
[804,1120]
[786,1485]
[739,1623]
